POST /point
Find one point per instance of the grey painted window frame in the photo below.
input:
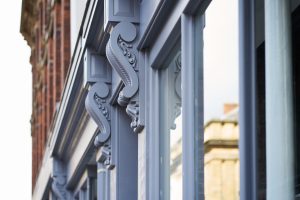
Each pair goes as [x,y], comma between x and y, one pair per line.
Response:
[248,101]
[151,56]
[86,182]
[189,27]
[192,106]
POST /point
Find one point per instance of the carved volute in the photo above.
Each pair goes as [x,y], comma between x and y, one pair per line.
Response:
[98,78]
[97,106]
[58,186]
[59,180]
[99,109]
[122,54]
[104,156]
[176,100]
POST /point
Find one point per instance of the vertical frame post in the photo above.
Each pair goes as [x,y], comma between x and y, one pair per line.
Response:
[247,98]
[279,101]
[102,182]
[192,106]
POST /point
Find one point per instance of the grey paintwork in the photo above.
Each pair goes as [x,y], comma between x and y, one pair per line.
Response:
[192,105]
[279,101]
[121,53]
[130,77]
[59,181]
[248,102]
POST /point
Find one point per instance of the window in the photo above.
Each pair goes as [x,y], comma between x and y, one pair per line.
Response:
[171,129]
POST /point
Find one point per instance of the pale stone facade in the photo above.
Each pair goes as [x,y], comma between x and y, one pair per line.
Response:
[221,159]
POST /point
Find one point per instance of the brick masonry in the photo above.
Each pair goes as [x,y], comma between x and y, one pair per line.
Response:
[46,28]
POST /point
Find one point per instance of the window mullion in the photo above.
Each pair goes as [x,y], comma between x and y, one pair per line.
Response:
[192,106]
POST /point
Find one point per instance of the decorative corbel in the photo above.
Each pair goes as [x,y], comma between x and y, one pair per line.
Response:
[98,108]
[104,156]
[59,180]
[122,57]
[177,89]
[58,187]
[98,79]
[122,54]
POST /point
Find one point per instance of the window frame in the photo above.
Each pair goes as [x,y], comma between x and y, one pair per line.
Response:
[189,26]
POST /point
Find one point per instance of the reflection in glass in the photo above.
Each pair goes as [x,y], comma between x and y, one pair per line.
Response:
[171,131]
[221,131]
[176,160]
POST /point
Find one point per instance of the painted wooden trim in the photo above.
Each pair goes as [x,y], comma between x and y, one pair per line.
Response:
[74,78]
[280,160]
[81,155]
[192,106]
[159,18]
[248,101]
[120,11]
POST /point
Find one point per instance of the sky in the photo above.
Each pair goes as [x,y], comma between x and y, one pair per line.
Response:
[15,106]
[220,57]
[220,86]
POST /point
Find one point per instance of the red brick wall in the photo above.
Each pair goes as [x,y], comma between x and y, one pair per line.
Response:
[65,38]
[57,54]
[50,58]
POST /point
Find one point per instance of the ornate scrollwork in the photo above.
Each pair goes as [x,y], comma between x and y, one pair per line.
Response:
[178,75]
[100,102]
[175,114]
[133,111]
[122,54]
[97,107]
[177,83]
[105,156]
[127,52]
[119,51]
[58,186]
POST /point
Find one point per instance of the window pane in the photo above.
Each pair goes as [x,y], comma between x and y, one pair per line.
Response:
[221,159]
[176,159]
[171,130]
[296,77]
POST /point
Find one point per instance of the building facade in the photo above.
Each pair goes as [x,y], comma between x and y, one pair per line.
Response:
[118,93]
[221,158]
[46,28]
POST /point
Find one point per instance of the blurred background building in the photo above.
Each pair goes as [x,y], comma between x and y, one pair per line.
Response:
[45,25]
[221,159]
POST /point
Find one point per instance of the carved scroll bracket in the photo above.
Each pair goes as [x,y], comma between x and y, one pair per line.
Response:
[58,187]
[97,106]
[59,181]
[104,156]
[177,90]
[122,54]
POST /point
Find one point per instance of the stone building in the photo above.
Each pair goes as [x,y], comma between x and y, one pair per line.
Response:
[117,82]
[221,158]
